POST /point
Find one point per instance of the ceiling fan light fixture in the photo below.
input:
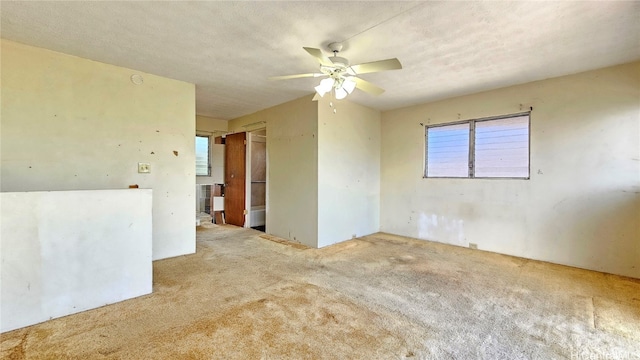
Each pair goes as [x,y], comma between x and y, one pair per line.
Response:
[349,85]
[320,91]
[325,86]
[341,93]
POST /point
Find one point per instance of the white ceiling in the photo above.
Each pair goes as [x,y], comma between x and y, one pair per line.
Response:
[228,49]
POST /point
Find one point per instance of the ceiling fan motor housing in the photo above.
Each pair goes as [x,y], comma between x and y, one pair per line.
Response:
[339,61]
[335,47]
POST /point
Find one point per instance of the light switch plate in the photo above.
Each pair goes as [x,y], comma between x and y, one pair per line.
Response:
[144,168]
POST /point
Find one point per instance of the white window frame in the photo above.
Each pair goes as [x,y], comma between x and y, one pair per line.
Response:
[208,154]
[472,136]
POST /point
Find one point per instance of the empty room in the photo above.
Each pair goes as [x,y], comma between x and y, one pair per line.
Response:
[320,180]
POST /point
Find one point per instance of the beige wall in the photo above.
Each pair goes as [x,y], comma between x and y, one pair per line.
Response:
[73,124]
[254,121]
[323,169]
[581,206]
[292,168]
[210,126]
[348,171]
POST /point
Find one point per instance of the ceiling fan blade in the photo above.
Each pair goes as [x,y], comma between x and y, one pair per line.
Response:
[296,76]
[367,86]
[318,54]
[375,66]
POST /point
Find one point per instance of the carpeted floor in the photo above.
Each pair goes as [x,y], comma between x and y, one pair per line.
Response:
[243,296]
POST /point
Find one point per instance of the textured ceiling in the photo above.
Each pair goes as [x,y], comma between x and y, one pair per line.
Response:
[228,49]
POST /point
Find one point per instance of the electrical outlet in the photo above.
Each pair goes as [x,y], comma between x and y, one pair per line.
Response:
[473,246]
[144,168]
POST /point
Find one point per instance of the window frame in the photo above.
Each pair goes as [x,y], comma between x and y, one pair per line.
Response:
[472,137]
[208,155]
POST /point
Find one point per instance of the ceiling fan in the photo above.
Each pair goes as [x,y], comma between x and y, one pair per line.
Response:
[341,76]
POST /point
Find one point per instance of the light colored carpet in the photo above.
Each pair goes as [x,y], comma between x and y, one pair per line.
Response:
[243,296]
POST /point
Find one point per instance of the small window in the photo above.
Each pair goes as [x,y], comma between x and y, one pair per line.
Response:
[448,151]
[203,163]
[483,148]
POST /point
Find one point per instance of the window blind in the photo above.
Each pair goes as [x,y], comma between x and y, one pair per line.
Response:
[448,151]
[501,148]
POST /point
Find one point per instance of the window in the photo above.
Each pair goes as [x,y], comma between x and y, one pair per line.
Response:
[448,151]
[483,148]
[203,164]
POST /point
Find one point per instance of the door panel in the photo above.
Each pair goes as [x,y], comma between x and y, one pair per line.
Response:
[235,176]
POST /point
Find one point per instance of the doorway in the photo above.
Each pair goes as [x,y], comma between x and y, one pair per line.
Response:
[257,179]
[245,190]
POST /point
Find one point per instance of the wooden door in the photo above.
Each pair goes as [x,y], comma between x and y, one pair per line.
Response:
[235,177]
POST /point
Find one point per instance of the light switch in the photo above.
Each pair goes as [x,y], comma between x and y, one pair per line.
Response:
[144,168]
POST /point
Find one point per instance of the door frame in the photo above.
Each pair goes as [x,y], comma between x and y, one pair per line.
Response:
[247,219]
